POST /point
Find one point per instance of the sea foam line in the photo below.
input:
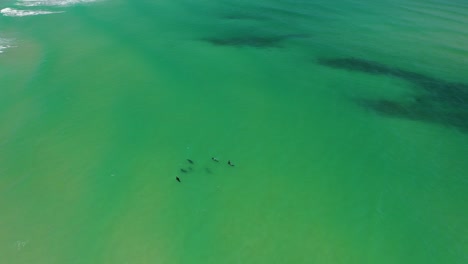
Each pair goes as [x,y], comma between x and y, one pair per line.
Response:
[20,13]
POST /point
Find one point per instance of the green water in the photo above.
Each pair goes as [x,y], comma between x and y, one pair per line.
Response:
[101,105]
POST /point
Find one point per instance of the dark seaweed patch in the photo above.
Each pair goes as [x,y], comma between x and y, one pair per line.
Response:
[256,42]
[454,92]
[375,68]
[420,110]
[438,101]
[241,16]
[252,41]
[356,65]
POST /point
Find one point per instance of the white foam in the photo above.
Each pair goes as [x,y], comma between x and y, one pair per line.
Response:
[52,2]
[3,47]
[4,44]
[20,13]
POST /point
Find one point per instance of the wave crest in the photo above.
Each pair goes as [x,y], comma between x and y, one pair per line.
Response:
[52,2]
[20,13]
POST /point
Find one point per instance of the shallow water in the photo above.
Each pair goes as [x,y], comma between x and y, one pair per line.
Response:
[346,122]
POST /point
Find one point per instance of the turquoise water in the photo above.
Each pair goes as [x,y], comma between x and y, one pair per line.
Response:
[347,122]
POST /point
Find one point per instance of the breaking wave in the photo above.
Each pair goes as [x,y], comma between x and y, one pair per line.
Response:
[20,13]
[52,2]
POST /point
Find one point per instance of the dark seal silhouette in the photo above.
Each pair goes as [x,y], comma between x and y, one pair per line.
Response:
[183,170]
[190,161]
[230,163]
[177,178]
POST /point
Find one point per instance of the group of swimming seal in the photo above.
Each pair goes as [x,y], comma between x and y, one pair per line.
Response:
[189,169]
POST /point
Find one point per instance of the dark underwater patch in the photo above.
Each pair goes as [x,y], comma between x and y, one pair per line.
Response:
[356,65]
[456,92]
[437,101]
[241,16]
[256,42]
[252,41]
[421,110]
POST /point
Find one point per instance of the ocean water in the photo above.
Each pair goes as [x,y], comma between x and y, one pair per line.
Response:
[346,122]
